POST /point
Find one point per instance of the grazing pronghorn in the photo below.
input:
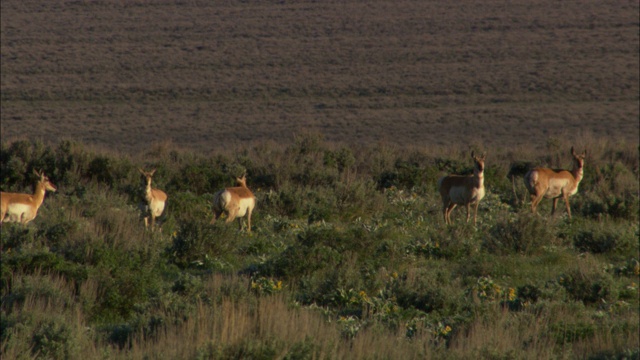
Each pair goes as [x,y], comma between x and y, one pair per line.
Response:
[463,190]
[23,208]
[555,183]
[156,199]
[235,202]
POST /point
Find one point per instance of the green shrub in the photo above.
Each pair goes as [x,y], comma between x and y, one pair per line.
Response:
[607,236]
[303,350]
[201,177]
[519,233]
[590,286]
[197,244]
[53,338]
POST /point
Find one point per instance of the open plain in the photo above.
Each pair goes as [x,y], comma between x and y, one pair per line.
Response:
[342,116]
[206,75]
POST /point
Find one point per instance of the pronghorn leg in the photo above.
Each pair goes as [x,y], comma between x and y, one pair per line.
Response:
[535,200]
[468,205]
[566,200]
[449,210]
[555,204]
[216,215]
[146,221]
[445,206]
[444,214]
[231,215]
[533,203]
[249,220]
[475,213]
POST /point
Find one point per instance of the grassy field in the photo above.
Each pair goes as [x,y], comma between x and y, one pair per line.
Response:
[203,75]
[349,258]
[343,115]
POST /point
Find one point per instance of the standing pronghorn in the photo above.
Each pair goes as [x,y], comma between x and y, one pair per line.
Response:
[463,190]
[235,202]
[23,208]
[156,199]
[555,183]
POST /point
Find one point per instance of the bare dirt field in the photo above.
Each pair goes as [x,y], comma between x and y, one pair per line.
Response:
[204,74]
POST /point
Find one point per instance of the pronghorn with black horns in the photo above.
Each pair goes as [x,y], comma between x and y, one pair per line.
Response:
[555,183]
[23,208]
[235,202]
[155,199]
[463,190]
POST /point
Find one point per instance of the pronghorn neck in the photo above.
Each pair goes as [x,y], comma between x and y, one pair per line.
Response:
[479,175]
[38,195]
[147,189]
[577,173]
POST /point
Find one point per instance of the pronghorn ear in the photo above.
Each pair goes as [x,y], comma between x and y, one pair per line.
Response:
[37,173]
[152,172]
[141,171]
[573,152]
[472,154]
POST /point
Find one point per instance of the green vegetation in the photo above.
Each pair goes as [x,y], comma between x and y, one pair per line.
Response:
[349,257]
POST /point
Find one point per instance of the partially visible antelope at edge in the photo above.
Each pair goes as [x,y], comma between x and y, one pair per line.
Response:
[235,202]
[463,190]
[555,183]
[155,198]
[23,208]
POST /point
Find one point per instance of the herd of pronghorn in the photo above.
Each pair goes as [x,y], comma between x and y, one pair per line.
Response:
[239,201]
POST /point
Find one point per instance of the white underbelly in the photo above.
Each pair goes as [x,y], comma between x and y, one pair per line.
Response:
[20,213]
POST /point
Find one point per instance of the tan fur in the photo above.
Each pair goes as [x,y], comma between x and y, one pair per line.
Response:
[463,190]
[155,198]
[235,202]
[23,208]
[555,184]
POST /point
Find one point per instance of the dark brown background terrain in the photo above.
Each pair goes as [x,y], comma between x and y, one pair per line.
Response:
[207,74]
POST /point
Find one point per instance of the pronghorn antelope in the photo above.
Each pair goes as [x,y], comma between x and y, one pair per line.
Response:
[156,198]
[463,190]
[554,183]
[235,202]
[23,208]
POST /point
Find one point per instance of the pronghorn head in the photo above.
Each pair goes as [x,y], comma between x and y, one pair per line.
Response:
[478,162]
[242,181]
[147,175]
[44,181]
[578,160]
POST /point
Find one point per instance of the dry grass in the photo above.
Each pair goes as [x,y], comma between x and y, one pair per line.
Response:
[206,76]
